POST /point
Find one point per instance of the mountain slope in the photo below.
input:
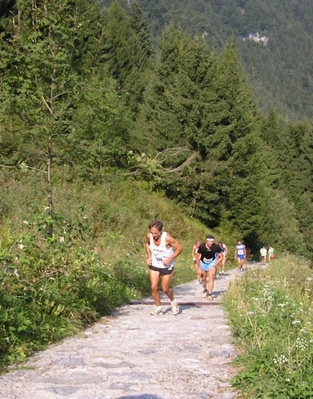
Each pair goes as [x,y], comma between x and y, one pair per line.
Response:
[279,70]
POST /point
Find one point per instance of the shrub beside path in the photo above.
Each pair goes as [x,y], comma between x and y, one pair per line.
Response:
[133,355]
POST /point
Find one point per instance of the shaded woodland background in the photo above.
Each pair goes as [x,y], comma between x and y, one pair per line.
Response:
[95,90]
[280,72]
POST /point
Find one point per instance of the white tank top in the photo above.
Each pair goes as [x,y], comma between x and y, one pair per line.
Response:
[160,252]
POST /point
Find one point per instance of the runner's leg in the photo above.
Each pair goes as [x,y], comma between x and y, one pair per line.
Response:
[166,282]
[211,279]
[154,280]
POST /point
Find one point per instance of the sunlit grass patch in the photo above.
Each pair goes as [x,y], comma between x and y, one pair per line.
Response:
[270,312]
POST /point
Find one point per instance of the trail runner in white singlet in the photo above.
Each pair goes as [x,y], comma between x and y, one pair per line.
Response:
[161,249]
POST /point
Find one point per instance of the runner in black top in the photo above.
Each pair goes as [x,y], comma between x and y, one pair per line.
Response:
[209,257]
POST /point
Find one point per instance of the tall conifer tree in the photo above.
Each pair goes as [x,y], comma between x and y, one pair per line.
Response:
[201,103]
[128,51]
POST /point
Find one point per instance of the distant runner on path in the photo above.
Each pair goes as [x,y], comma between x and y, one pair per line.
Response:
[161,249]
[271,254]
[224,253]
[240,254]
[194,258]
[263,254]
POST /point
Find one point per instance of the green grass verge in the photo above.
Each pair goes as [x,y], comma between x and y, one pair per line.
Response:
[270,311]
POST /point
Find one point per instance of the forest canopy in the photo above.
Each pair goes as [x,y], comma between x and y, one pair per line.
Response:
[274,39]
[88,90]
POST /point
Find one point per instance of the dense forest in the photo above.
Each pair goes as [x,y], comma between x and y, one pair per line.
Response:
[274,39]
[87,93]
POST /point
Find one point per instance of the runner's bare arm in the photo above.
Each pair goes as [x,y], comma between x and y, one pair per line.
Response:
[193,252]
[226,249]
[147,248]
[219,259]
[172,242]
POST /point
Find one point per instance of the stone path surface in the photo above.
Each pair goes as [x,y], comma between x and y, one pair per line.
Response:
[133,355]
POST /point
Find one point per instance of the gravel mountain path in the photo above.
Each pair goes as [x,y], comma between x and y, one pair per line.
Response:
[133,355]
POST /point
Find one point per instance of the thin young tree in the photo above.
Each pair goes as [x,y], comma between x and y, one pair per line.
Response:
[41,76]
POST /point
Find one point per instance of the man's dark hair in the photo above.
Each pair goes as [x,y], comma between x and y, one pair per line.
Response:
[157,224]
[210,237]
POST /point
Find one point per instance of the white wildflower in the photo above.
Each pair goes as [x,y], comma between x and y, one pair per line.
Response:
[280,359]
[301,343]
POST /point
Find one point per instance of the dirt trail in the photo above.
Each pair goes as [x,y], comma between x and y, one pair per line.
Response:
[133,355]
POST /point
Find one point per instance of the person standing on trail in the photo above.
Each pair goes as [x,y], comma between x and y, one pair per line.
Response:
[194,258]
[271,255]
[240,254]
[161,249]
[224,253]
[263,253]
[208,259]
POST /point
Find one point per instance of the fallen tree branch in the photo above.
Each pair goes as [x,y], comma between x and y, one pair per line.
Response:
[187,162]
[21,166]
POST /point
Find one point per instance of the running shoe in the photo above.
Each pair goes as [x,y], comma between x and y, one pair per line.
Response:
[210,297]
[175,307]
[204,293]
[157,311]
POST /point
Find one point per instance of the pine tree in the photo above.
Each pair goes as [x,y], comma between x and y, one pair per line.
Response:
[200,103]
[235,133]
[128,52]
[139,25]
